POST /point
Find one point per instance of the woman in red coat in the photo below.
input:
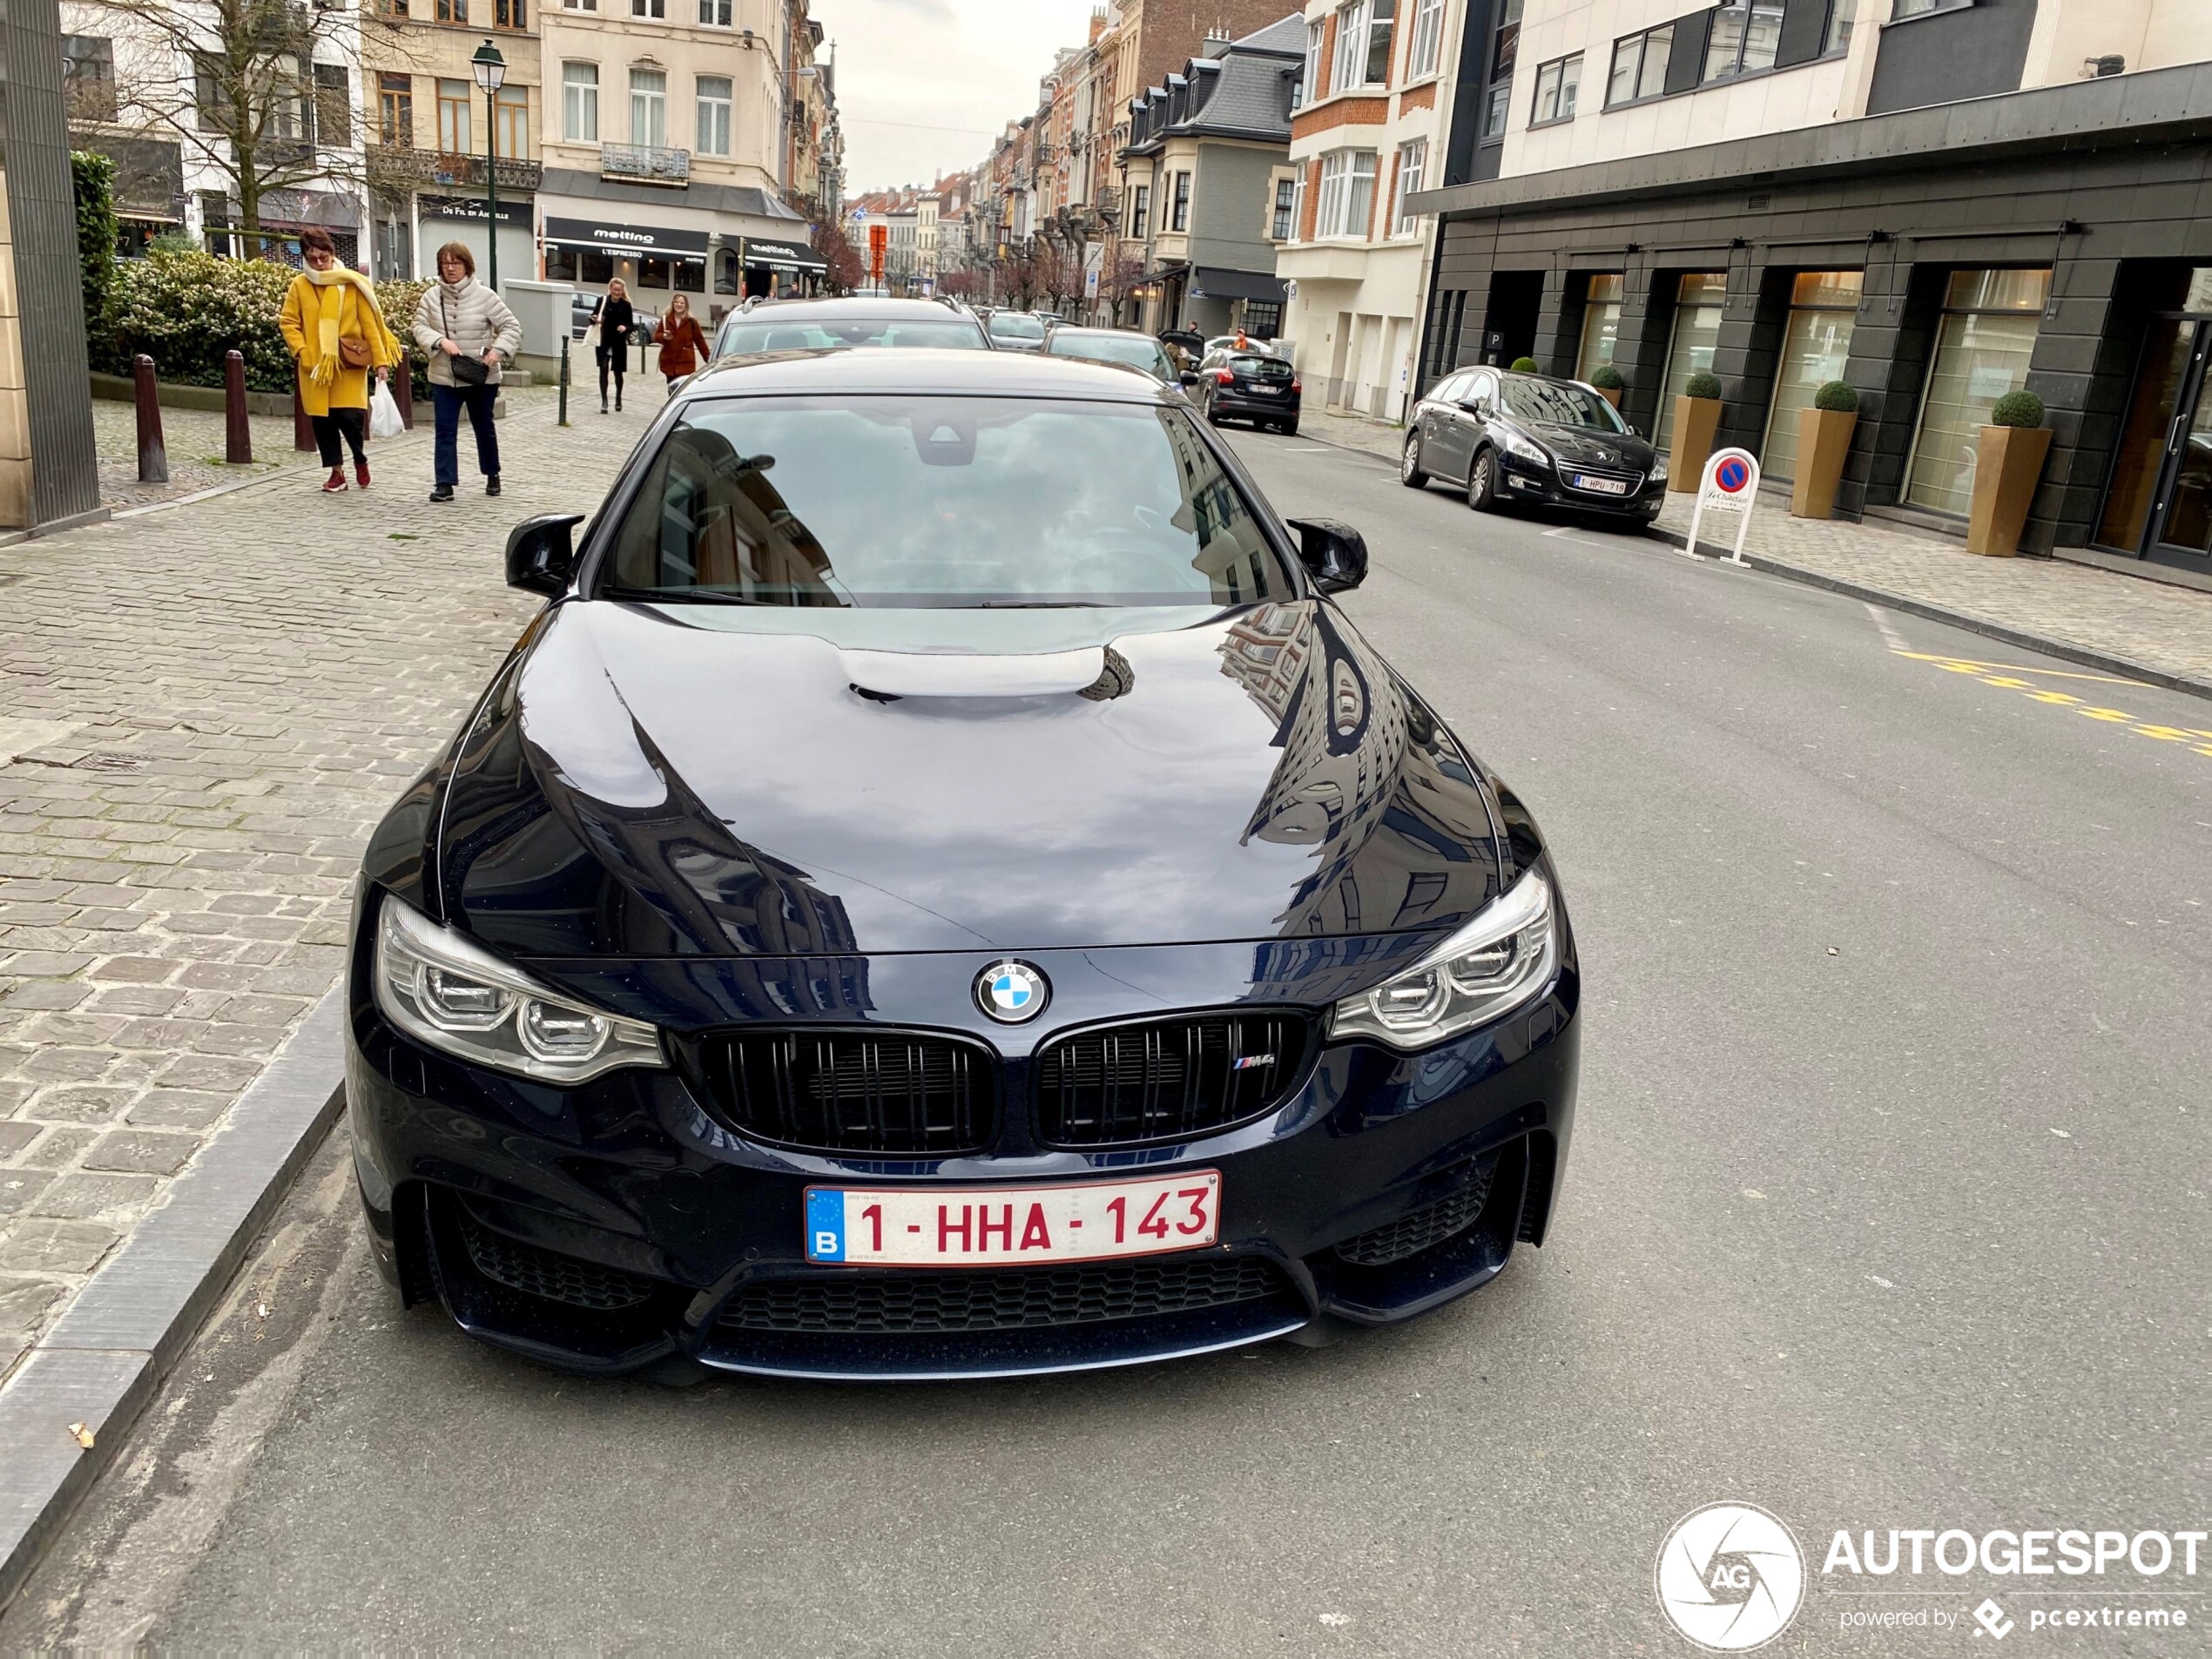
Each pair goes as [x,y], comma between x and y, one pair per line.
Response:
[682,344]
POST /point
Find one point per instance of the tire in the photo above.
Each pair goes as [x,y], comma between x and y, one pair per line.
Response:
[1482,482]
[1288,428]
[1409,464]
[1213,415]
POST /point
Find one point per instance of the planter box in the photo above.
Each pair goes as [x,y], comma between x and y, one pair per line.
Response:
[1611,393]
[1823,438]
[120,389]
[2007,463]
[1696,418]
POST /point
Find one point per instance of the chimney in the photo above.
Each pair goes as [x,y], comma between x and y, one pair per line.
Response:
[1216,42]
[1097,24]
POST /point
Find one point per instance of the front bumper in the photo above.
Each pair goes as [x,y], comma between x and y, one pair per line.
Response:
[622,1223]
[1539,484]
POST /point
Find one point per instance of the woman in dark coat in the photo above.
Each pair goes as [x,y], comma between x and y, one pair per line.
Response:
[614,317]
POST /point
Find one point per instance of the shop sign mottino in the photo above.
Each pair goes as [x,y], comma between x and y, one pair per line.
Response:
[782,256]
[473,209]
[625,238]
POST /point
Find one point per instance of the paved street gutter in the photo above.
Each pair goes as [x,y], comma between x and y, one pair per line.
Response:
[102,1361]
[2048,644]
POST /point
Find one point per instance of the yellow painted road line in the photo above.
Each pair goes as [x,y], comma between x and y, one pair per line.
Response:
[1966,665]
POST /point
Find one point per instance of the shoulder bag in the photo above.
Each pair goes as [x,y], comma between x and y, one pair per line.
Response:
[466,371]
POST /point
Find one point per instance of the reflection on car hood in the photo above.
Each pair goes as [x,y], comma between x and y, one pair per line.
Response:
[1591,447]
[679,780]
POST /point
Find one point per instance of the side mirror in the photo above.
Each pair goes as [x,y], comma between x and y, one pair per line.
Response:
[541,554]
[1189,377]
[1334,555]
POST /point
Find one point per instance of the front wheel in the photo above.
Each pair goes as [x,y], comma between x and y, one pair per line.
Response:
[1409,465]
[1482,483]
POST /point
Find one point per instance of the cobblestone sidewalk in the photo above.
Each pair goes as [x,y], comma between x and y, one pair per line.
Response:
[2127,618]
[203,710]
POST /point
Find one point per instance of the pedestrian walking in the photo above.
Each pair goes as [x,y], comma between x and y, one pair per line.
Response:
[683,343]
[614,317]
[337,335]
[468,332]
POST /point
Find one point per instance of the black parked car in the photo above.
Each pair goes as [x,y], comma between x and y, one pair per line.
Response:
[1253,386]
[1534,439]
[908,906]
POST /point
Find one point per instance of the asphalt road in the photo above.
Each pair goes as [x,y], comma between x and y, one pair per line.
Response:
[1887,1209]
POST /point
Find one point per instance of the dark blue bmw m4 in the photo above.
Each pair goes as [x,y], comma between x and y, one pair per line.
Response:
[942,890]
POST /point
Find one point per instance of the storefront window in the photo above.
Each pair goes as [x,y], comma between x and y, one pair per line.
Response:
[1697,333]
[1601,326]
[652,271]
[2170,345]
[1815,348]
[560,263]
[597,266]
[1990,320]
[691,276]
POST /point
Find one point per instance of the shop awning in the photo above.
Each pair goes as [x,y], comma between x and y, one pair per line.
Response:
[610,237]
[1207,283]
[781,256]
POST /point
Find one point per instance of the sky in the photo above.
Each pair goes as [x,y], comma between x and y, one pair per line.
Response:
[923,86]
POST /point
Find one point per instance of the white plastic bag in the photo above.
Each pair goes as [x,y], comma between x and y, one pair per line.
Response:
[384,413]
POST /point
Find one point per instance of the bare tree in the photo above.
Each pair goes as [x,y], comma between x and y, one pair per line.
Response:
[257,91]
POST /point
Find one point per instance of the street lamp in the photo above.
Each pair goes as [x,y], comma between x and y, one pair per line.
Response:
[491,73]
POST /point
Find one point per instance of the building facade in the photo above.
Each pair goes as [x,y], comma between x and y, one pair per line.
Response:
[1374,91]
[669,146]
[1208,155]
[1938,201]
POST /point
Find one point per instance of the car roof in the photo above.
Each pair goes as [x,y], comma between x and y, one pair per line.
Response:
[924,371]
[1067,330]
[850,306]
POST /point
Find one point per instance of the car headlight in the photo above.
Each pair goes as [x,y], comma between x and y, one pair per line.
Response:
[448,992]
[1659,471]
[1498,962]
[1527,448]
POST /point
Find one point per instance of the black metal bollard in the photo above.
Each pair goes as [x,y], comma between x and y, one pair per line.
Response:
[403,393]
[153,454]
[564,379]
[303,429]
[238,435]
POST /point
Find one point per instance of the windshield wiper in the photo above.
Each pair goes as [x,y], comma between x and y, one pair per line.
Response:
[677,596]
[1041,604]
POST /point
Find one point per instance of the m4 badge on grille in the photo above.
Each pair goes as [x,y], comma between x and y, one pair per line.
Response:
[1246,1062]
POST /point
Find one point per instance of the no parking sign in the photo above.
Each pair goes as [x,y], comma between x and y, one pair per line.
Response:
[1731,480]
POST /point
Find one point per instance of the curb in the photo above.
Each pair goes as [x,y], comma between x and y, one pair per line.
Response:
[2064,651]
[103,1360]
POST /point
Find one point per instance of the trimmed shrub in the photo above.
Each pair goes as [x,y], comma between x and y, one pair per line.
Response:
[1838,397]
[2017,408]
[1525,366]
[1704,383]
[93,179]
[1607,378]
[186,310]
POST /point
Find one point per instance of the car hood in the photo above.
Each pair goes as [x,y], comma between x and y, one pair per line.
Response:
[686,779]
[1587,448]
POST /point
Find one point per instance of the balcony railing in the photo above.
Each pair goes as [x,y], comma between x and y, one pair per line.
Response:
[400,161]
[645,164]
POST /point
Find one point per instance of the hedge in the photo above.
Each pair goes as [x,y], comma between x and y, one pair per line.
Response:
[2017,409]
[1704,383]
[92,179]
[186,309]
[1837,397]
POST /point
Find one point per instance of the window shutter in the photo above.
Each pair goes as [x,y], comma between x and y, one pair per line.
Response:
[1804,23]
[1687,62]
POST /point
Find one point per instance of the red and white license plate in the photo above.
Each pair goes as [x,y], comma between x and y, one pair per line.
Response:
[997,1226]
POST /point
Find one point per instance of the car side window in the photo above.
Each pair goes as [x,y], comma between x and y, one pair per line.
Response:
[1484,391]
[1449,389]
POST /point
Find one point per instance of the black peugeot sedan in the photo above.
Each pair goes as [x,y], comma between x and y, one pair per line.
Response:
[829,325]
[1530,438]
[1255,385]
[1003,918]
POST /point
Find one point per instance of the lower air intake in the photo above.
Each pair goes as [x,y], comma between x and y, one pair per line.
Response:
[536,1271]
[1416,1231]
[1010,1300]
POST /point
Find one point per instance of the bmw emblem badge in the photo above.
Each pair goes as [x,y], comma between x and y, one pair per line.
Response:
[1012,992]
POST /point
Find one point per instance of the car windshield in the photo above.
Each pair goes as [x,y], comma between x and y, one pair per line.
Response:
[757,333]
[1013,325]
[948,502]
[1556,403]
[1133,351]
[1260,368]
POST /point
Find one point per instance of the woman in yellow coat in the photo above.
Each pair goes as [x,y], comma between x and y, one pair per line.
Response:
[336,330]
